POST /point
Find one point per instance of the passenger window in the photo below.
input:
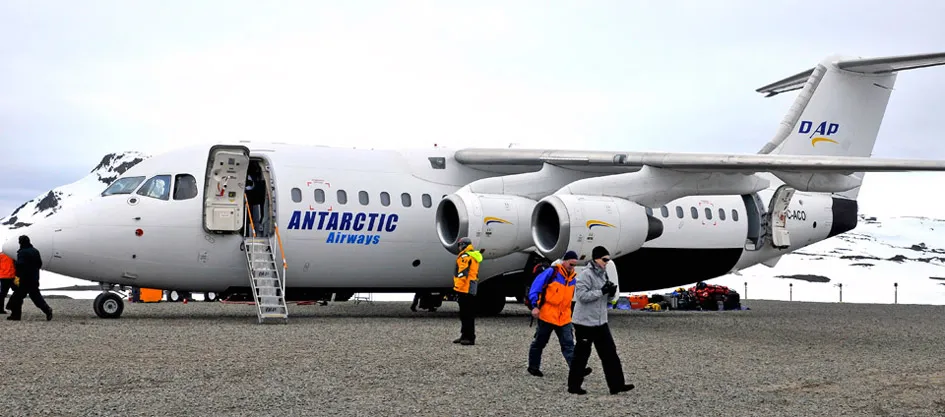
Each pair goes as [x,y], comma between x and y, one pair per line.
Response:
[679,212]
[649,211]
[342,197]
[734,215]
[721,214]
[405,199]
[427,200]
[708,213]
[296,195]
[123,186]
[363,198]
[664,211]
[185,187]
[385,199]
[319,195]
[158,186]
[694,212]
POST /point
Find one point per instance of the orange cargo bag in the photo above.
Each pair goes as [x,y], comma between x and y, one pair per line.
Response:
[151,295]
[637,302]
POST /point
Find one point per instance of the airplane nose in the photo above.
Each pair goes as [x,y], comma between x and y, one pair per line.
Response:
[10,246]
[41,237]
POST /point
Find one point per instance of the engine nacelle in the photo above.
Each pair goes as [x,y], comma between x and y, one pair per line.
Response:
[578,222]
[497,224]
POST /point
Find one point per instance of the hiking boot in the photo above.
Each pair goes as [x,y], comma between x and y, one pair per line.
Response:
[13,318]
[49,315]
[577,391]
[466,342]
[535,372]
[458,340]
[625,388]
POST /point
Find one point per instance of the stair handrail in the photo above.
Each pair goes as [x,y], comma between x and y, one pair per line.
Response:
[249,259]
[275,226]
[252,227]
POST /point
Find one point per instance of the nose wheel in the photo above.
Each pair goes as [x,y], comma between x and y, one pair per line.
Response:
[108,305]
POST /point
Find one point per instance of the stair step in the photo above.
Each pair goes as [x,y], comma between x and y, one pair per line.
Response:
[265,279]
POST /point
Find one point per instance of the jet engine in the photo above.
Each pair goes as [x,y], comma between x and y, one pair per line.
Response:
[577,222]
[497,224]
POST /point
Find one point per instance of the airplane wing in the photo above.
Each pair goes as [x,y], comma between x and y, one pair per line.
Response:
[802,172]
[694,162]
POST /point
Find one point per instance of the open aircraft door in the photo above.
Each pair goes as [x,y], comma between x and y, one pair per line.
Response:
[780,237]
[223,206]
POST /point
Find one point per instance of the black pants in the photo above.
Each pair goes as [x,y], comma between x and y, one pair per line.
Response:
[19,293]
[467,316]
[5,285]
[603,342]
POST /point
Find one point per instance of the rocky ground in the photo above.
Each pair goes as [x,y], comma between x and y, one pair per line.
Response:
[779,358]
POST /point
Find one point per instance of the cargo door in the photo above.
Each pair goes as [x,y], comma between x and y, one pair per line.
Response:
[780,237]
[223,207]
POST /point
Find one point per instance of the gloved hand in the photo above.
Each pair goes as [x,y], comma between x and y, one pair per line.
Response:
[609,288]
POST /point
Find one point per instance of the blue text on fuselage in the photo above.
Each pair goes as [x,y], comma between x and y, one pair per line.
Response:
[345,221]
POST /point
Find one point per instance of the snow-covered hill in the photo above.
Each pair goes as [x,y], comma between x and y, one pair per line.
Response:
[909,251]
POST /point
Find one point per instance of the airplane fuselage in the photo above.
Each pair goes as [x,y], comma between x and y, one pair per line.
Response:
[363,220]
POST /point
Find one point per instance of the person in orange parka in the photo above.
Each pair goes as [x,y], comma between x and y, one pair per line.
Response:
[7,273]
[465,285]
[550,295]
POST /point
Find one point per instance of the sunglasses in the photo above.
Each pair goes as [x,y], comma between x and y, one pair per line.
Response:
[605,259]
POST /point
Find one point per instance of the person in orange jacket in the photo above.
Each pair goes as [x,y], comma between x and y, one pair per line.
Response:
[550,297]
[7,273]
[465,283]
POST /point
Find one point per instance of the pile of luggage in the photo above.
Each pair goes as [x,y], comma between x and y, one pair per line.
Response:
[702,296]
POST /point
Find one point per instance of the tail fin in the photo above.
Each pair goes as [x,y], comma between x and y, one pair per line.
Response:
[840,107]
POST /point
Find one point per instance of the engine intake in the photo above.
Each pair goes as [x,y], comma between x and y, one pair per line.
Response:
[497,224]
[579,223]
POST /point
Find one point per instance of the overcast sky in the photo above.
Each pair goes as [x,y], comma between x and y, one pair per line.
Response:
[79,79]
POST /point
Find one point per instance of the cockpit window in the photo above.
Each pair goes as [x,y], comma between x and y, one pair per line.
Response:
[158,186]
[185,187]
[123,186]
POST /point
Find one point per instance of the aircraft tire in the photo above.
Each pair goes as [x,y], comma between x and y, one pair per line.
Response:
[173,296]
[210,296]
[490,303]
[108,305]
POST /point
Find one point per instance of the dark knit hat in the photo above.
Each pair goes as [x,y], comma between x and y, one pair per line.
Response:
[570,255]
[599,252]
[24,240]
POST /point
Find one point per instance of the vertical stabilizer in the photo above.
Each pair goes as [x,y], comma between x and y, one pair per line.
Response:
[841,106]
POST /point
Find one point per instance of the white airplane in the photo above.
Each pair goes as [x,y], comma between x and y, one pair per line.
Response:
[342,221]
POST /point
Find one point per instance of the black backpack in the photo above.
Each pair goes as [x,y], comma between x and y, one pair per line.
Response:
[542,269]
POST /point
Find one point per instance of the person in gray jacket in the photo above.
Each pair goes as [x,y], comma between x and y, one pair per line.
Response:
[592,293]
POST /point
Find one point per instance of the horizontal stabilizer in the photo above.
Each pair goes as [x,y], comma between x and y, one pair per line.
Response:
[892,64]
[884,65]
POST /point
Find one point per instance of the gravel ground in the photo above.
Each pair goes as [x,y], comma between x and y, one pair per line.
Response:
[780,358]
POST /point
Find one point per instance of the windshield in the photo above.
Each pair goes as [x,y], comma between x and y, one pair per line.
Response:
[123,186]
[157,187]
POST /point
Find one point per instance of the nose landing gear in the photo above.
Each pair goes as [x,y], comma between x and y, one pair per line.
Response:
[108,305]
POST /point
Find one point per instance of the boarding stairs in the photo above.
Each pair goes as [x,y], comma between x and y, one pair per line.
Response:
[266,275]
